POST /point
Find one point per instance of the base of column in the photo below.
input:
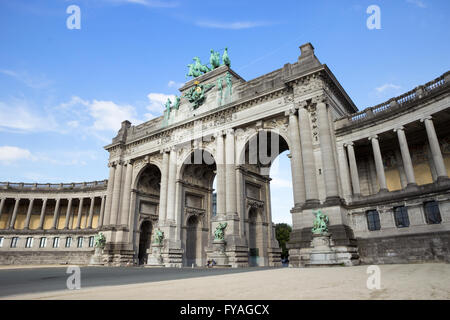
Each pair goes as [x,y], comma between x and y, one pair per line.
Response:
[383,190]
[411,186]
[442,179]
[311,203]
[333,201]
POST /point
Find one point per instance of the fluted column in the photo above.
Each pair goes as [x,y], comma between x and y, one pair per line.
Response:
[171,183]
[309,167]
[102,212]
[80,211]
[436,153]
[14,215]
[2,205]
[116,194]
[406,157]
[231,204]
[42,216]
[91,213]
[353,169]
[378,163]
[124,214]
[68,213]
[29,211]
[109,193]
[298,181]
[56,213]
[221,175]
[163,191]
[327,153]
[344,171]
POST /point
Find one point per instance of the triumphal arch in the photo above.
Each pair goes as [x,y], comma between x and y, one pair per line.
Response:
[194,184]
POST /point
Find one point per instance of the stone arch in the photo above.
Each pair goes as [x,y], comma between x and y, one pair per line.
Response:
[141,168]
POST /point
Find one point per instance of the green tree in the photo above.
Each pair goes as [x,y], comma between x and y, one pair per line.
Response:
[282,233]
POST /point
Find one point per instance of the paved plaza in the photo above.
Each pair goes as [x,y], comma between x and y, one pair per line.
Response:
[402,281]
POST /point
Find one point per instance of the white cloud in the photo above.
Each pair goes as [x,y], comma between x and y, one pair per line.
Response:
[387,86]
[35,82]
[108,115]
[156,106]
[417,3]
[9,154]
[174,84]
[231,25]
[148,3]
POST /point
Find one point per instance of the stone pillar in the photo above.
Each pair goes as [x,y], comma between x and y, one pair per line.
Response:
[42,217]
[109,193]
[102,213]
[2,205]
[171,195]
[221,175]
[344,171]
[163,191]
[406,157]
[116,194]
[231,204]
[80,211]
[91,213]
[68,213]
[378,163]
[14,215]
[55,213]
[327,153]
[309,167]
[353,169]
[438,160]
[29,211]
[126,194]
[298,181]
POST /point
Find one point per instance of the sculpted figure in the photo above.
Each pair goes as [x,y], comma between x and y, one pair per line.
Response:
[320,224]
[214,59]
[226,58]
[219,233]
[177,103]
[199,66]
[167,105]
[159,237]
[100,240]
[229,84]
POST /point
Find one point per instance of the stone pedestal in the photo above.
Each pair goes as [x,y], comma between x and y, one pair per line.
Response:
[155,258]
[218,254]
[321,252]
[97,258]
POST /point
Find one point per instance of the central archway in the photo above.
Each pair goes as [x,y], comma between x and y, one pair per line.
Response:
[197,175]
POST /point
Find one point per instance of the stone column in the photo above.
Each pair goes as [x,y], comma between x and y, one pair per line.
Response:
[309,167]
[102,213]
[109,193]
[163,191]
[344,171]
[171,195]
[353,169]
[327,153]
[80,211]
[42,217]
[116,194]
[2,205]
[27,220]
[91,213]
[378,163]
[438,160]
[298,181]
[14,215]
[124,214]
[68,213]
[55,213]
[221,179]
[231,204]
[406,157]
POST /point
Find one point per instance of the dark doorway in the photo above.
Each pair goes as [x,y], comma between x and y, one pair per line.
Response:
[191,241]
[144,241]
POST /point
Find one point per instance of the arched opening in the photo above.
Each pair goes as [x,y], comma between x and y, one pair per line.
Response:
[145,235]
[147,186]
[266,181]
[197,176]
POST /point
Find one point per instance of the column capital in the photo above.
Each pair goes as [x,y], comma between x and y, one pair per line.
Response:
[291,112]
[375,136]
[402,128]
[320,99]
[301,105]
[219,133]
[426,118]
[347,144]
[230,131]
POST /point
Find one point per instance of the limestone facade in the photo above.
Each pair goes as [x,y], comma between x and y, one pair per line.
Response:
[346,163]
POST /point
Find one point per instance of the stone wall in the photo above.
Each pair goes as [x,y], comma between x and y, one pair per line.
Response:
[45,257]
[411,248]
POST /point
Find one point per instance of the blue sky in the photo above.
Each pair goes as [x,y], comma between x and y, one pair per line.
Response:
[63,93]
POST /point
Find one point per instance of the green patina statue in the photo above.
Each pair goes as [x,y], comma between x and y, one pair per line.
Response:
[219,88]
[176,105]
[100,240]
[229,84]
[225,58]
[196,94]
[168,104]
[214,59]
[219,233]
[320,224]
[193,72]
[158,237]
